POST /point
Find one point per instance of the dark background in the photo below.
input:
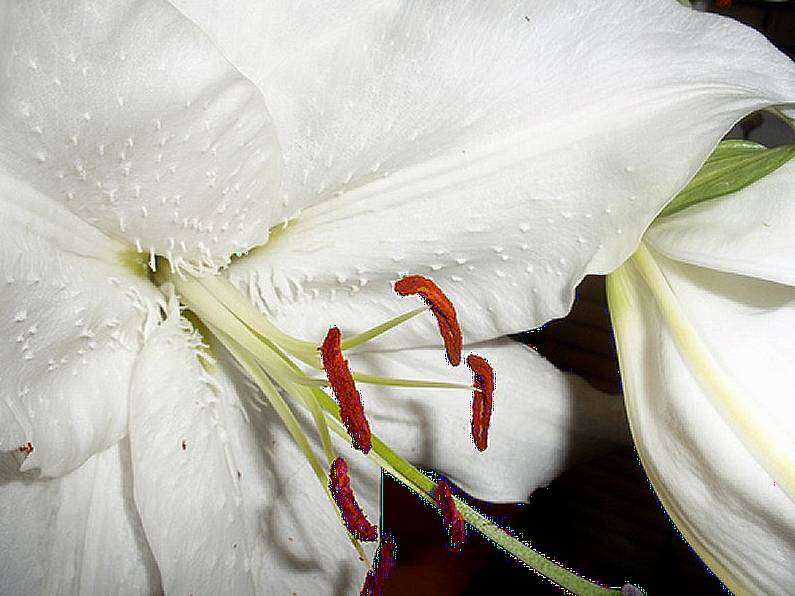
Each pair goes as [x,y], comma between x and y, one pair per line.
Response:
[601,519]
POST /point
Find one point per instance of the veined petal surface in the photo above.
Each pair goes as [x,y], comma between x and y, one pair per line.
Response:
[544,421]
[75,535]
[72,320]
[228,501]
[751,232]
[730,509]
[125,113]
[504,148]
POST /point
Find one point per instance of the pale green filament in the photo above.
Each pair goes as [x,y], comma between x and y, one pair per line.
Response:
[389,381]
[374,332]
[264,353]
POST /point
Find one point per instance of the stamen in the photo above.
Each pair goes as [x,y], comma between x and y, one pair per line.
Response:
[383,562]
[456,528]
[482,399]
[442,309]
[344,388]
[353,516]
[26,448]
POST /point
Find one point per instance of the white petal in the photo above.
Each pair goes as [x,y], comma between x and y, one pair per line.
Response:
[513,146]
[235,509]
[751,232]
[728,507]
[544,421]
[71,325]
[126,113]
[78,534]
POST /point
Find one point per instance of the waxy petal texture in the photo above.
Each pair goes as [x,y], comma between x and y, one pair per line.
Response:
[504,149]
[75,535]
[228,501]
[125,113]
[543,422]
[185,477]
[729,508]
[72,324]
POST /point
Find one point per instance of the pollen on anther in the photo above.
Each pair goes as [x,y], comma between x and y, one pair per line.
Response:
[442,309]
[453,520]
[482,399]
[353,516]
[344,389]
[383,562]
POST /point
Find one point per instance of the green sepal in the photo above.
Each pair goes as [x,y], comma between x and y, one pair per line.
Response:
[733,165]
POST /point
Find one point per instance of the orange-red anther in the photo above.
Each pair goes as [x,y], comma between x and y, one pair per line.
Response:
[383,562]
[27,448]
[344,389]
[456,528]
[482,399]
[353,516]
[442,309]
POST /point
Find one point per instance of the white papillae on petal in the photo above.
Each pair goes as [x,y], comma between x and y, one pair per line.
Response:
[505,148]
[727,506]
[71,325]
[125,113]
[751,232]
[543,422]
[237,510]
[75,535]
[184,476]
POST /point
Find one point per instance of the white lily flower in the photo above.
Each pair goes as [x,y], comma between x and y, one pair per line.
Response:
[506,149]
[704,317]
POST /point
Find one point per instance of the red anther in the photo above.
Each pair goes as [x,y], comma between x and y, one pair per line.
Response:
[723,4]
[482,399]
[27,448]
[352,514]
[456,528]
[344,388]
[383,562]
[442,309]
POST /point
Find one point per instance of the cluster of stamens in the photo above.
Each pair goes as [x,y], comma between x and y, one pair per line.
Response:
[266,354]
[343,387]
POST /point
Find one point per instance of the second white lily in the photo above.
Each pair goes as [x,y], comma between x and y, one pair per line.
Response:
[704,315]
